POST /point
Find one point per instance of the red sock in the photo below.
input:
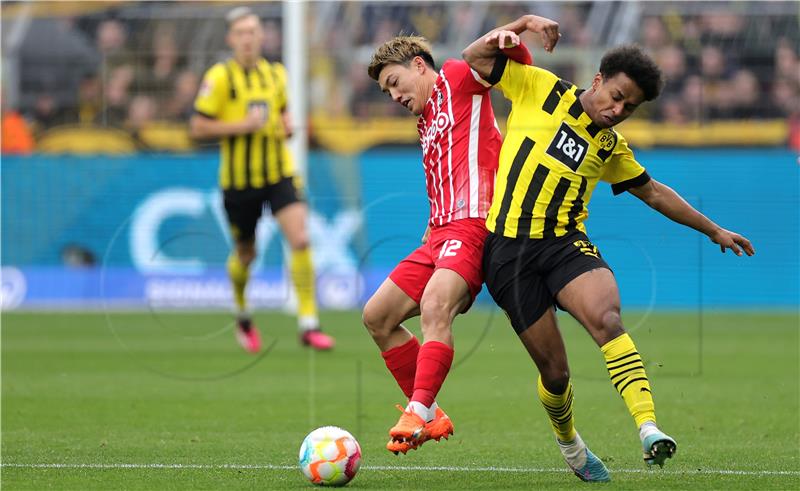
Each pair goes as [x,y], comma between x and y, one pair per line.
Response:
[402,362]
[433,364]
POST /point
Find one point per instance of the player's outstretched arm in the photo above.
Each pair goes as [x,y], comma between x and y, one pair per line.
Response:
[201,127]
[482,52]
[666,201]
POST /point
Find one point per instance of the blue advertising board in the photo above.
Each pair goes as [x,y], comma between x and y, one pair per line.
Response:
[153,233]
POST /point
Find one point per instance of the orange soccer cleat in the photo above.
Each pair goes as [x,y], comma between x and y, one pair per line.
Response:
[411,431]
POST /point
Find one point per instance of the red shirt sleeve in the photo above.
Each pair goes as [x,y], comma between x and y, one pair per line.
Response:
[463,78]
[520,54]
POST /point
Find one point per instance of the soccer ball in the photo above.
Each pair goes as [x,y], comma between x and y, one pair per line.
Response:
[330,456]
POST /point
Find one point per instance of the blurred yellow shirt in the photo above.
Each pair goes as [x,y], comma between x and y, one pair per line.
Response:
[227,93]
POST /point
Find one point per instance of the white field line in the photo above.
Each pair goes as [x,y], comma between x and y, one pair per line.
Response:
[532,470]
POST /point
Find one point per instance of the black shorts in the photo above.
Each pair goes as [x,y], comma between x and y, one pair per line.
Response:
[525,275]
[244,207]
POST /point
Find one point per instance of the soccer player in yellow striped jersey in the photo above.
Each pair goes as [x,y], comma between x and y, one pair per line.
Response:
[243,103]
[560,143]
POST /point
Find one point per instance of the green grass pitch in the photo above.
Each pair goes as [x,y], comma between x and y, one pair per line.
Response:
[168,401]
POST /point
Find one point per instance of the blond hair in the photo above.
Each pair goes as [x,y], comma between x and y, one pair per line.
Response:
[238,13]
[399,51]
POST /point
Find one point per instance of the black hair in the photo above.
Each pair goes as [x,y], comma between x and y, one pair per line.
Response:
[636,64]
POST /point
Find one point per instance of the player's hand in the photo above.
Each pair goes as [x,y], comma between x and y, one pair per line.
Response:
[502,39]
[255,119]
[288,126]
[733,241]
[546,28]
[426,234]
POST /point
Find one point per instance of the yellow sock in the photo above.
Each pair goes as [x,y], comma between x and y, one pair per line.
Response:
[302,271]
[239,275]
[627,373]
[559,409]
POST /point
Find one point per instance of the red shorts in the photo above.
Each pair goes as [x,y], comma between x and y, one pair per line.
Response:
[457,246]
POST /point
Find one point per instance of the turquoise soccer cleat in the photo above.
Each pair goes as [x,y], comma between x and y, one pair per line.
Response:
[594,470]
[586,465]
[657,448]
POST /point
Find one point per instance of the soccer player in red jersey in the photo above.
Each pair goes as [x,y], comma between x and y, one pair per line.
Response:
[440,279]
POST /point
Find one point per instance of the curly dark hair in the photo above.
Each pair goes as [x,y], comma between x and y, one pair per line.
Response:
[636,64]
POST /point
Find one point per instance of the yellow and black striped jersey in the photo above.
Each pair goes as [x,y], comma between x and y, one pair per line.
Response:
[227,93]
[552,156]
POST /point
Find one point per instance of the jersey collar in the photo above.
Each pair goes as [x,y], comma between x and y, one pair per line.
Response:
[242,68]
[576,109]
[577,112]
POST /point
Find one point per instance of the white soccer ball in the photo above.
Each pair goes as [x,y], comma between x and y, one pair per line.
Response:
[330,456]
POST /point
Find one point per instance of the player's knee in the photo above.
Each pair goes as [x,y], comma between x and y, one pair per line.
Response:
[555,380]
[297,237]
[609,324]
[376,320]
[434,310]
[370,317]
[611,320]
[299,243]
[435,317]
[246,255]
[554,371]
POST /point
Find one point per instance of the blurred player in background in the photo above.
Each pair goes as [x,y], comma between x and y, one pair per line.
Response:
[440,279]
[559,143]
[243,102]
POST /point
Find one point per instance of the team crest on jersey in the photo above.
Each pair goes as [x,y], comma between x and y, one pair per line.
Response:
[439,100]
[608,140]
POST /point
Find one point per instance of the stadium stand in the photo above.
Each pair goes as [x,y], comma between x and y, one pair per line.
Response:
[135,66]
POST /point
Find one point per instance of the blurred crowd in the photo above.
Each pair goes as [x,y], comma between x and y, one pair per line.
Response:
[109,78]
[724,66]
[115,71]
[717,64]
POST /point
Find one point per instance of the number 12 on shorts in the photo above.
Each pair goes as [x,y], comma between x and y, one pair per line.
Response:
[449,248]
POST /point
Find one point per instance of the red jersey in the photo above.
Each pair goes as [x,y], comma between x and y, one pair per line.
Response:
[460,145]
